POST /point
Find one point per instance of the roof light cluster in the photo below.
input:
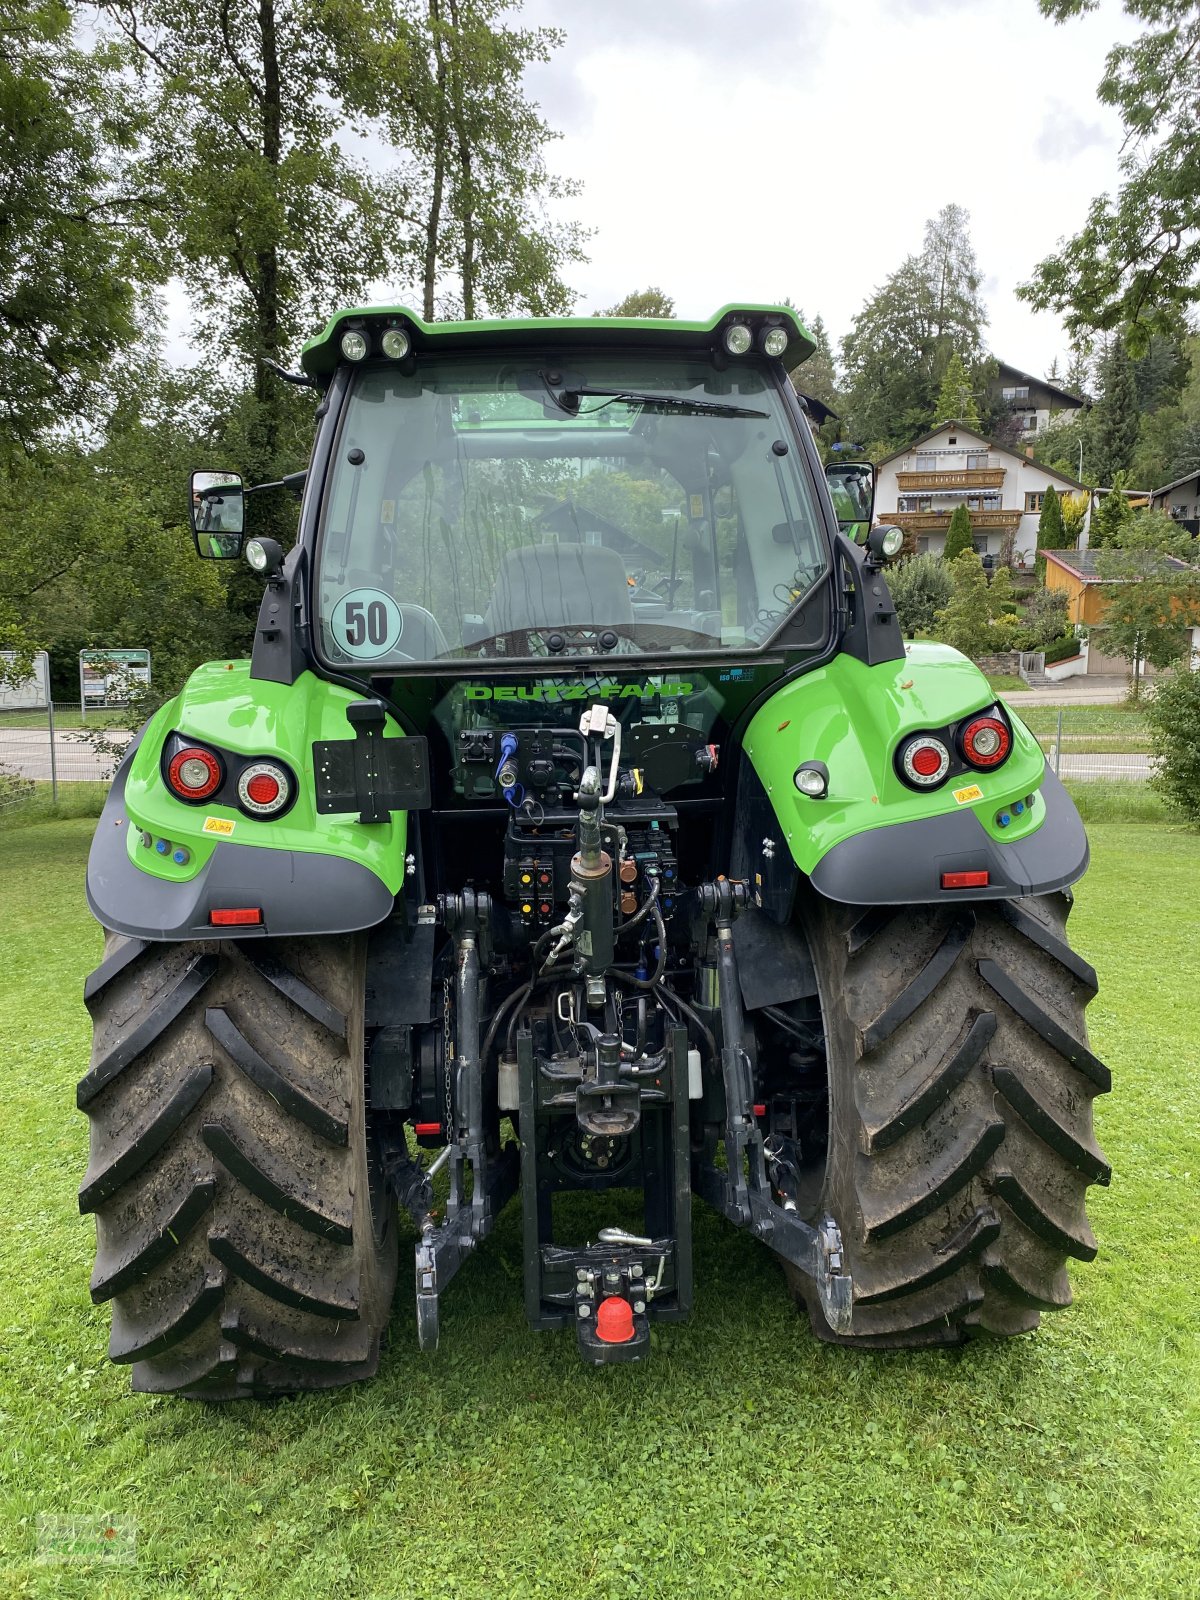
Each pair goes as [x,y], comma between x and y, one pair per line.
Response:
[394,342]
[739,339]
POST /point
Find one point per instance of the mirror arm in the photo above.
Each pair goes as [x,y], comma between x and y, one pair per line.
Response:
[300,379]
[293,482]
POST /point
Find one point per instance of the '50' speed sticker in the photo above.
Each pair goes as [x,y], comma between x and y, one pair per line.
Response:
[367,624]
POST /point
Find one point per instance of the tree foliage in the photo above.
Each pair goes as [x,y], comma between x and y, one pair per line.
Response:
[1112,515]
[1153,593]
[1113,424]
[1136,261]
[72,239]
[920,588]
[1174,718]
[958,534]
[650,302]
[1050,534]
[901,343]
[955,401]
[965,622]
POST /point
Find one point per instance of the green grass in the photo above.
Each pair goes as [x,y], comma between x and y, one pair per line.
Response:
[74,800]
[65,716]
[1119,721]
[1118,800]
[1005,683]
[744,1459]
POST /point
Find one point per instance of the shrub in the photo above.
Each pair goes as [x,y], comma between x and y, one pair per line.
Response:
[920,589]
[1174,718]
[1060,650]
[965,622]
[1045,618]
[958,534]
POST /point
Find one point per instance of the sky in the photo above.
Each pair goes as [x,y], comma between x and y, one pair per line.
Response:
[754,149]
[760,149]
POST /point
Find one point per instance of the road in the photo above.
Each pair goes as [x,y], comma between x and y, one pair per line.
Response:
[27,751]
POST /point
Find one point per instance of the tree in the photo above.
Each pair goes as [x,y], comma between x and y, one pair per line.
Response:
[958,534]
[72,239]
[1153,593]
[1174,718]
[901,342]
[1073,508]
[920,588]
[1050,535]
[965,622]
[955,400]
[1113,425]
[817,376]
[642,303]
[273,222]
[1135,261]
[1045,618]
[1113,512]
[1002,593]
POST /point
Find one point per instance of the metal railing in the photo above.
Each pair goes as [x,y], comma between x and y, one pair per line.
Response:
[50,750]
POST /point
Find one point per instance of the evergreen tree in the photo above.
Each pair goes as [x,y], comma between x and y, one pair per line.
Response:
[955,401]
[920,588]
[965,622]
[1111,516]
[1002,593]
[817,376]
[958,534]
[1050,534]
[1113,425]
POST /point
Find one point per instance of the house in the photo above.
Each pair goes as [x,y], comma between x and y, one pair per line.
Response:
[1180,500]
[1003,489]
[1033,401]
[1073,573]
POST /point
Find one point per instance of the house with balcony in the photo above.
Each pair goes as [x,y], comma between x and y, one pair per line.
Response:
[1180,500]
[1032,401]
[1003,490]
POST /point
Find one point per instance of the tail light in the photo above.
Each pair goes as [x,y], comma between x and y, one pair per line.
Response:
[264,789]
[194,773]
[924,761]
[985,742]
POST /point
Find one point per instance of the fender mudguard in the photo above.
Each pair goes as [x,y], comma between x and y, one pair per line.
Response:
[159,866]
[872,840]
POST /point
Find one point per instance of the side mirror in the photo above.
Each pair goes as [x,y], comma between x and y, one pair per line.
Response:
[852,490]
[217,513]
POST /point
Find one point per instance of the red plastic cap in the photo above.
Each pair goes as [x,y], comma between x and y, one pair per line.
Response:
[614,1320]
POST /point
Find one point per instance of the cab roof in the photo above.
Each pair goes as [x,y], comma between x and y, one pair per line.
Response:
[322,353]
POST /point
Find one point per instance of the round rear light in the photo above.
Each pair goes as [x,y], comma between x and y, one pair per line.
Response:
[925,761]
[194,773]
[264,789]
[986,741]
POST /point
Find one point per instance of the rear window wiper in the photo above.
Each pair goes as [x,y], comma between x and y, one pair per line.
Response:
[568,400]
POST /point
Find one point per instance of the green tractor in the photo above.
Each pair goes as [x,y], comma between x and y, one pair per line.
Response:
[580,822]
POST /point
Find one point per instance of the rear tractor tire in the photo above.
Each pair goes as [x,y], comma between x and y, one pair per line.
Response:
[960,1115]
[244,1239]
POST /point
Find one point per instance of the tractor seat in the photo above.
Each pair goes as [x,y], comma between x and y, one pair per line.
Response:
[559,586]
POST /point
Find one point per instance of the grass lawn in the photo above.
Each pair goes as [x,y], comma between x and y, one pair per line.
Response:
[1005,683]
[744,1460]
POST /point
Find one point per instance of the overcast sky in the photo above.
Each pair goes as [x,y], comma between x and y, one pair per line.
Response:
[759,149]
[751,149]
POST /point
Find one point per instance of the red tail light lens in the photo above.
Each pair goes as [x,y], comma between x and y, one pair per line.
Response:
[924,761]
[194,773]
[264,789]
[985,742]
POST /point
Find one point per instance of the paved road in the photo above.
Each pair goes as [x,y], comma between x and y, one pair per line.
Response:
[1082,691]
[27,751]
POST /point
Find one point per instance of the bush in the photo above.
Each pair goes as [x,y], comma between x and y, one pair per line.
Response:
[1174,718]
[1060,650]
[1045,619]
[920,588]
[965,622]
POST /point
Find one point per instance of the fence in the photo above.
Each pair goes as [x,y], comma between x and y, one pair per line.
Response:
[51,754]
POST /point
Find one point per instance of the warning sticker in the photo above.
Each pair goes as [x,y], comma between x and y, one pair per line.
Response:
[222,825]
[695,506]
[971,792]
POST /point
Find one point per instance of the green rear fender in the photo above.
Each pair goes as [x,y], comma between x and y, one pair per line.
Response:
[163,869]
[222,706]
[872,839]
